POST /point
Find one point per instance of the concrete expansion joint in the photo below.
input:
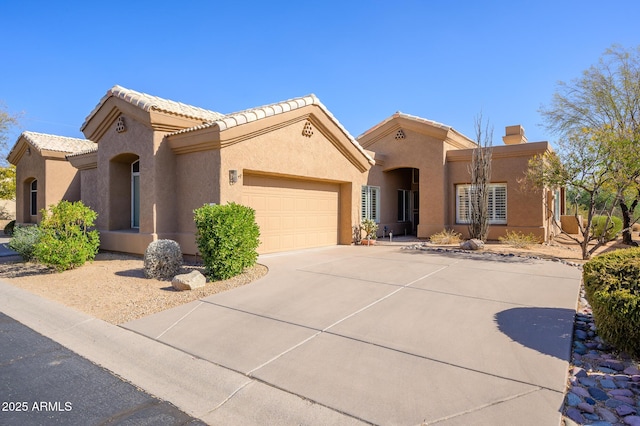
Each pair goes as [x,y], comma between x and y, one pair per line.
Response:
[482,407]
[231,395]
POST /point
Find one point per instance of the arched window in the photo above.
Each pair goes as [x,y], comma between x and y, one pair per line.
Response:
[33,204]
[135,194]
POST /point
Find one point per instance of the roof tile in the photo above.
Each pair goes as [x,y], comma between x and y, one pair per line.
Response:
[46,142]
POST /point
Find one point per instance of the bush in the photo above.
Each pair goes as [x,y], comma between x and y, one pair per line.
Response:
[67,240]
[448,236]
[613,229]
[519,240]
[612,286]
[24,241]
[162,259]
[370,227]
[227,239]
[9,227]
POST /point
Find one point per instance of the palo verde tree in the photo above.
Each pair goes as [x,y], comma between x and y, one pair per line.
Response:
[601,109]
[480,171]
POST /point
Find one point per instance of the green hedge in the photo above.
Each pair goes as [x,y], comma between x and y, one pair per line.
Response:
[613,229]
[612,285]
[24,240]
[227,238]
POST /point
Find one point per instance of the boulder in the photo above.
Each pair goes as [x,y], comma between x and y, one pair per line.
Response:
[472,244]
[190,281]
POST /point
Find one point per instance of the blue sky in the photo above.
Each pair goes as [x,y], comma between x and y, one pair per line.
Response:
[446,61]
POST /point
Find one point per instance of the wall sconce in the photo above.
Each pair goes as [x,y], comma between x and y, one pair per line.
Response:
[233,176]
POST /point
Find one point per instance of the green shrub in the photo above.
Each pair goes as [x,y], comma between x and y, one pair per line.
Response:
[612,286]
[519,240]
[9,227]
[24,240]
[447,236]
[613,228]
[67,240]
[227,239]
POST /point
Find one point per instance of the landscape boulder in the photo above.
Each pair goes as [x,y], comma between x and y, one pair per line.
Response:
[472,244]
[190,281]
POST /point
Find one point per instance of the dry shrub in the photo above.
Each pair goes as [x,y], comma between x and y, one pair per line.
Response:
[448,236]
[519,240]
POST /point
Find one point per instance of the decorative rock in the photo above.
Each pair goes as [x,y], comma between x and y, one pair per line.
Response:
[632,420]
[613,364]
[573,400]
[608,384]
[625,399]
[631,371]
[575,415]
[586,407]
[580,391]
[587,381]
[190,281]
[625,410]
[472,244]
[580,334]
[613,403]
[598,394]
[606,415]
[621,392]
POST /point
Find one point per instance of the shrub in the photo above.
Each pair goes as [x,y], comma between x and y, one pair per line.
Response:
[447,236]
[227,239]
[162,259]
[519,240]
[9,227]
[24,241]
[67,240]
[370,227]
[613,229]
[612,286]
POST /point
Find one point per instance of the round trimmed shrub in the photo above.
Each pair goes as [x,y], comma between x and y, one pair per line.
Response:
[227,238]
[162,259]
[24,241]
[612,286]
[613,229]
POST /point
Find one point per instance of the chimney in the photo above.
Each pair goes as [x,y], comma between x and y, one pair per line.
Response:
[514,135]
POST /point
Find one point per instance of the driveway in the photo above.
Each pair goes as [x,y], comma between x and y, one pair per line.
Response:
[387,335]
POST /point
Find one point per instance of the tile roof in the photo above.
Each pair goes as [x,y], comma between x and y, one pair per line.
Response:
[254,114]
[415,118]
[148,102]
[46,142]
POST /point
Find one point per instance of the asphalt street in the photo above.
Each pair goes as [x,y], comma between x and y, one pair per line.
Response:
[43,383]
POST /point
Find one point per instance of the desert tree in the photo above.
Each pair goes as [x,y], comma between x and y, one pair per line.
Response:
[7,171]
[480,173]
[604,105]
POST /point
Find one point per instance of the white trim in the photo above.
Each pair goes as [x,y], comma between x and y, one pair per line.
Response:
[33,192]
[497,203]
[133,200]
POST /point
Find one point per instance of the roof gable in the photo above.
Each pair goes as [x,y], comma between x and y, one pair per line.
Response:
[419,124]
[238,119]
[46,144]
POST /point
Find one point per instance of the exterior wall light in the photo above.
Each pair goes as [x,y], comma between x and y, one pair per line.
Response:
[233,176]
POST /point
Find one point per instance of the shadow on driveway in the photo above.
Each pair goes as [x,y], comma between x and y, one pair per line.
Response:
[543,329]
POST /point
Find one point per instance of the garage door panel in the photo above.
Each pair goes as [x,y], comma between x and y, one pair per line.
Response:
[293,214]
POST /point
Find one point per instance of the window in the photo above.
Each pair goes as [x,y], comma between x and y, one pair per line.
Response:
[135,194]
[370,203]
[34,197]
[557,205]
[404,205]
[497,203]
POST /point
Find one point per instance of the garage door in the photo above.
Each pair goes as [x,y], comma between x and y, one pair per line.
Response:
[292,214]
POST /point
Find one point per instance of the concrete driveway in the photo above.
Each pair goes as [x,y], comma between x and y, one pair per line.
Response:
[386,335]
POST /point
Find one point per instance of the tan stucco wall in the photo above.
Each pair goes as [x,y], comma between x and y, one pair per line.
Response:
[420,151]
[57,180]
[115,154]
[525,207]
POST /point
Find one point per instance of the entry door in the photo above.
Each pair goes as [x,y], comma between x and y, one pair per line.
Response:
[415,213]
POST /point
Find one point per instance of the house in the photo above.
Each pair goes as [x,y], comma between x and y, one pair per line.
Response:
[148,162]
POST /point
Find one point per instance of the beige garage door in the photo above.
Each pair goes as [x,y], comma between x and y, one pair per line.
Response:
[292,214]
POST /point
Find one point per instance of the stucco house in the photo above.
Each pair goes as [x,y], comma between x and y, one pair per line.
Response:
[148,162]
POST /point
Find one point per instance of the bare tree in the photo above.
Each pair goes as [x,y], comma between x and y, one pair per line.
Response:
[480,171]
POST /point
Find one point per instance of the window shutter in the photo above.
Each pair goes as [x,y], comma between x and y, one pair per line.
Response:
[499,204]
